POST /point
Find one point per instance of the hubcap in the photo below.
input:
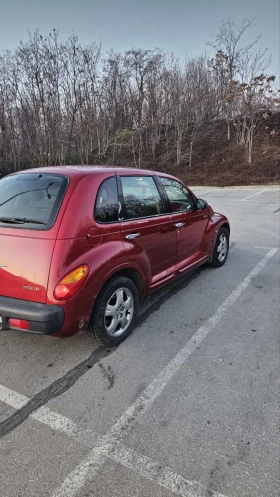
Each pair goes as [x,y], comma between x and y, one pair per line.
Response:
[119,312]
[222,248]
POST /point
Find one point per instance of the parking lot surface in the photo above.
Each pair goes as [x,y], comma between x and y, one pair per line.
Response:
[187,405]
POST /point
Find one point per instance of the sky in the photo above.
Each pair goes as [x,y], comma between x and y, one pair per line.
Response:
[178,26]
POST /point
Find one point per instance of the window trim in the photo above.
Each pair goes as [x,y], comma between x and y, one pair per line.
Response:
[163,194]
[168,200]
[122,202]
[118,198]
[56,206]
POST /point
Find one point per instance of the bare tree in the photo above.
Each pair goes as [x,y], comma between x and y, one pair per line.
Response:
[255,100]
[200,98]
[63,102]
[235,61]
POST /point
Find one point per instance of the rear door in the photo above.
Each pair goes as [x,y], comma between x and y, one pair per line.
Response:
[190,223]
[147,230]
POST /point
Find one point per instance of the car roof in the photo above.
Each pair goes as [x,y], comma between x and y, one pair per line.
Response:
[80,170]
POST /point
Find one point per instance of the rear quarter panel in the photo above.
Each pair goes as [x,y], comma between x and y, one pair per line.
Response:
[83,241]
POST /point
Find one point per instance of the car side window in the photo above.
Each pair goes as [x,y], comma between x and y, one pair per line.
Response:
[107,204]
[179,197]
[141,197]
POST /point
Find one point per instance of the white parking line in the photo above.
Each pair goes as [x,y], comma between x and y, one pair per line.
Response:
[98,455]
[258,193]
[163,476]
[11,398]
[43,414]
[262,247]
[209,191]
[145,466]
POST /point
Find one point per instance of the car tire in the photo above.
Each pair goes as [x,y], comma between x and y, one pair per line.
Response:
[114,312]
[220,252]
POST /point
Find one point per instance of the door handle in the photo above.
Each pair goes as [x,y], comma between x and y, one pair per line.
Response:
[179,225]
[131,236]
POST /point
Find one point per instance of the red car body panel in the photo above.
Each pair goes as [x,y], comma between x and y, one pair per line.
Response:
[26,274]
[154,249]
[34,261]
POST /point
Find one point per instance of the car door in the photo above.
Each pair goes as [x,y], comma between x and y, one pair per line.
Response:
[189,222]
[147,230]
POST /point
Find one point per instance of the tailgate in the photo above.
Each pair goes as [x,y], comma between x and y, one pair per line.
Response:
[24,267]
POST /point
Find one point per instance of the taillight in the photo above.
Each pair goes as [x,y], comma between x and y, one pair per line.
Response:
[19,324]
[70,284]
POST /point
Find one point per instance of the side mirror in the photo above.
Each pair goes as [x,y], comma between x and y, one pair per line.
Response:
[201,204]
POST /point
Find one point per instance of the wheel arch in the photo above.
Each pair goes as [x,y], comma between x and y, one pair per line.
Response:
[226,226]
[134,275]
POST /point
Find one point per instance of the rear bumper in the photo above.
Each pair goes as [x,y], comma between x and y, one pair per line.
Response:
[43,319]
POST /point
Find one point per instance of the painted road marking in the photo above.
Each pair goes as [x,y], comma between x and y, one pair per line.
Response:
[119,453]
[209,191]
[262,247]
[11,398]
[98,455]
[43,414]
[258,193]
[159,474]
[143,465]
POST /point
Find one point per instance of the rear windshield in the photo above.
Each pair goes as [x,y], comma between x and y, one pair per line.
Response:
[31,201]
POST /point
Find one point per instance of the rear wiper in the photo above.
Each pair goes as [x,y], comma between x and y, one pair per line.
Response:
[29,191]
[20,220]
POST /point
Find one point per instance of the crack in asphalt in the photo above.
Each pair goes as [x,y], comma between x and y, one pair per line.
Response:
[55,389]
[64,383]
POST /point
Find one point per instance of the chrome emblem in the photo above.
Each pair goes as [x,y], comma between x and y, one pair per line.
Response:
[3,265]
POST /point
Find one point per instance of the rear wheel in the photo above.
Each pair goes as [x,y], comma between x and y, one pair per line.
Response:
[114,312]
[221,248]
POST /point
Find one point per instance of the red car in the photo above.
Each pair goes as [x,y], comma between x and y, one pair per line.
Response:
[80,246]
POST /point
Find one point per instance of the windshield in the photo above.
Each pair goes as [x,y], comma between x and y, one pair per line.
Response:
[31,200]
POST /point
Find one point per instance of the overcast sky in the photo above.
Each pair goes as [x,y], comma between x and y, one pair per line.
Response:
[177,26]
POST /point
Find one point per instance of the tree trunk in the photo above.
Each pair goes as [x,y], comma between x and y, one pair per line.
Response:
[228,129]
[249,146]
[178,152]
[243,129]
[190,157]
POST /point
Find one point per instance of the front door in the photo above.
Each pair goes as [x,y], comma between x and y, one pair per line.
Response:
[190,223]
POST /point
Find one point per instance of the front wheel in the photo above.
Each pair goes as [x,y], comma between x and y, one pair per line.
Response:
[221,248]
[114,312]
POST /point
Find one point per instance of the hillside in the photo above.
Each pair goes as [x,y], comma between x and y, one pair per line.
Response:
[216,160]
[219,161]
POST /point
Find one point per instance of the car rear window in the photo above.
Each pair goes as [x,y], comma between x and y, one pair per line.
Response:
[31,200]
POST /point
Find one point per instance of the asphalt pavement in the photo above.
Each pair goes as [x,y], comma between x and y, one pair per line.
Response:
[188,405]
